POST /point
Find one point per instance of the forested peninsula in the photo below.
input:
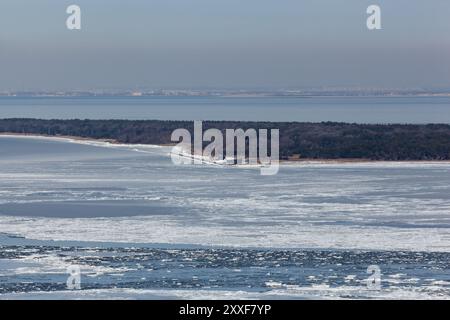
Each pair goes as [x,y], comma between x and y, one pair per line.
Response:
[326,140]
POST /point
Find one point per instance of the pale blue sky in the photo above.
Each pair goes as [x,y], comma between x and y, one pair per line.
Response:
[223,44]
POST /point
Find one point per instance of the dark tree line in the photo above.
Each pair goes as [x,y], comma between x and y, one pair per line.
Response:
[326,140]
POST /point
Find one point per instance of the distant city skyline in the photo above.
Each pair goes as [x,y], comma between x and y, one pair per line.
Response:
[202,44]
[294,92]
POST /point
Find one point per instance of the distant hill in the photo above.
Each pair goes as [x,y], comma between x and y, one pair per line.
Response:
[327,140]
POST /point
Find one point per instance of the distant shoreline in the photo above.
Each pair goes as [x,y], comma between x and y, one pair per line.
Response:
[218,93]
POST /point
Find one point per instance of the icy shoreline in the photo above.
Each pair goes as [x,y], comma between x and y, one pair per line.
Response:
[301,162]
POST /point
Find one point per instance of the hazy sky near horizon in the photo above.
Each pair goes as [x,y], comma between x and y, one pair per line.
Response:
[223,44]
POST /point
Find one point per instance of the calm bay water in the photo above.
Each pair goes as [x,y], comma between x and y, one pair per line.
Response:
[315,109]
